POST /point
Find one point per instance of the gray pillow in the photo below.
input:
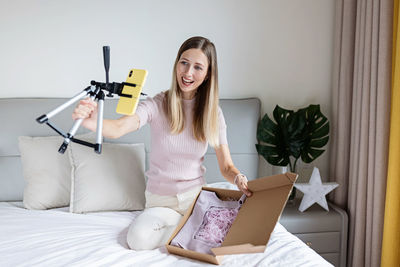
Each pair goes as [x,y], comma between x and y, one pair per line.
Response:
[47,173]
[113,180]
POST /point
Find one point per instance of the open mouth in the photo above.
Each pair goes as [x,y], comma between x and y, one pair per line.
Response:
[187,82]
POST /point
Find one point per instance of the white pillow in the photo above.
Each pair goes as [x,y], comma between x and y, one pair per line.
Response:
[112,180]
[46,172]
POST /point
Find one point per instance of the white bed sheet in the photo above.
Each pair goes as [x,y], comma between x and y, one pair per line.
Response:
[59,238]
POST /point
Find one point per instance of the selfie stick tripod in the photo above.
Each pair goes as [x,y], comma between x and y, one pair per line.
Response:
[95,91]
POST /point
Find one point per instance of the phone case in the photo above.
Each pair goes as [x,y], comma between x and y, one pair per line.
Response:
[127,105]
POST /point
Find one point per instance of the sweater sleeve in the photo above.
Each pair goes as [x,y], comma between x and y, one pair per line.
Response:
[222,128]
[146,110]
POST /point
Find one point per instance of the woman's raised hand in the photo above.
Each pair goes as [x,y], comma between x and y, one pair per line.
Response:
[86,110]
[241,182]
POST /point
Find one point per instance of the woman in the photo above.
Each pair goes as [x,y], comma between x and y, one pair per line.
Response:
[183,120]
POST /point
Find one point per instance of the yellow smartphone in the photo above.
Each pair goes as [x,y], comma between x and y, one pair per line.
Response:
[127,105]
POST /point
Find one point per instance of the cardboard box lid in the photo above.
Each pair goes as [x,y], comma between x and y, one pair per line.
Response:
[254,223]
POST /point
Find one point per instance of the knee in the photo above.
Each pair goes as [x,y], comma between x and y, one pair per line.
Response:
[138,237]
[151,230]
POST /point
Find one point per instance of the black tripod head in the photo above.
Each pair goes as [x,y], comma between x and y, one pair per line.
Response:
[113,88]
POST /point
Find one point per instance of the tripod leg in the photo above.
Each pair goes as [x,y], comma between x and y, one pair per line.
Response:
[99,130]
[71,133]
[45,117]
[76,124]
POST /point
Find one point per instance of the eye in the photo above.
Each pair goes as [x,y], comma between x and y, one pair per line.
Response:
[183,62]
[198,68]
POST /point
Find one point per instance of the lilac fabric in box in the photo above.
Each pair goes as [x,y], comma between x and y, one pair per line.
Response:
[209,223]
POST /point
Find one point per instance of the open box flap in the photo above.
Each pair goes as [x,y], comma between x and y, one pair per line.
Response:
[261,184]
[195,255]
[238,249]
[258,215]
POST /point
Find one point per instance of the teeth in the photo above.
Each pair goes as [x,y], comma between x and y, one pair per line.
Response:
[187,81]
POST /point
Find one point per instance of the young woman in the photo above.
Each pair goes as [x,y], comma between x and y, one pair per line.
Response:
[184,120]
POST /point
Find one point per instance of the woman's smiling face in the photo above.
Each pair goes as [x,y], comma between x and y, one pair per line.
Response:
[191,71]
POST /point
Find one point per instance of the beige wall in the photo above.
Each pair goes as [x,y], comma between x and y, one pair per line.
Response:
[277,50]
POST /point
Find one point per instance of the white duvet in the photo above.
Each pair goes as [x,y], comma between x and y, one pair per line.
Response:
[59,238]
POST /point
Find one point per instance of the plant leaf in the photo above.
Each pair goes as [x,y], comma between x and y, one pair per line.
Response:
[310,154]
[319,142]
[293,134]
[267,130]
[321,132]
[274,135]
[272,155]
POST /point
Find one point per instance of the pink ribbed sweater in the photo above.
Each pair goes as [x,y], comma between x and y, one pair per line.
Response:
[175,163]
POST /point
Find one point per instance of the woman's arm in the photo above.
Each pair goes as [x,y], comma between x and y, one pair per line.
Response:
[229,171]
[87,110]
[119,127]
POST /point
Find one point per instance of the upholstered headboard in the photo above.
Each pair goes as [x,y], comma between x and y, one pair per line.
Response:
[18,118]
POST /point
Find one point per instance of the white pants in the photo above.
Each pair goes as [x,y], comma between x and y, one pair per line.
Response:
[155,225]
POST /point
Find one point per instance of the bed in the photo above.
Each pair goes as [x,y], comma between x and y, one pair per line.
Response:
[59,237]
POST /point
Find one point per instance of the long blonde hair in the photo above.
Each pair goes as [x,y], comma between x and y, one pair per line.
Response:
[205,114]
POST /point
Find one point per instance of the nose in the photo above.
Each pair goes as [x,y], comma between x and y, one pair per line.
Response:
[188,70]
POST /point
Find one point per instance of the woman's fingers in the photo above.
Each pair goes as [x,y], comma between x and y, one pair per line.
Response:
[247,192]
[242,184]
[81,112]
[88,101]
[84,109]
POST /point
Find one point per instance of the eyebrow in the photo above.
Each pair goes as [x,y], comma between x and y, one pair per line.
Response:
[194,63]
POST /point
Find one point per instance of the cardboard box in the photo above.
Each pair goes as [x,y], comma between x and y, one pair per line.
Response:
[254,223]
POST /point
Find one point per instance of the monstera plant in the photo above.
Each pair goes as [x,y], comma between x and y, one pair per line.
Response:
[293,135]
